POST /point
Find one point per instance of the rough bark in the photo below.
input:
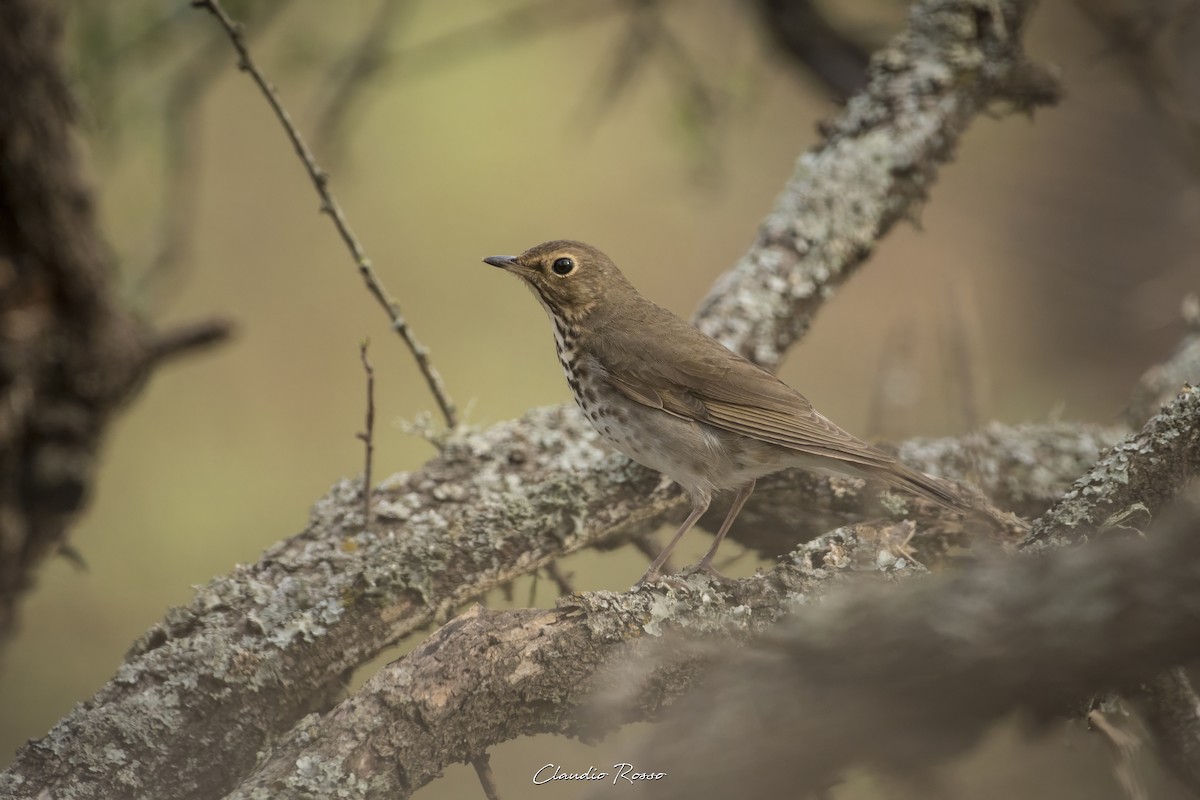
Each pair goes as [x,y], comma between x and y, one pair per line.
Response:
[431,709]
[877,164]
[1133,480]
[900,679]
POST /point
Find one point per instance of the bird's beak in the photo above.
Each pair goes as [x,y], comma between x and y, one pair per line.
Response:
[503,262]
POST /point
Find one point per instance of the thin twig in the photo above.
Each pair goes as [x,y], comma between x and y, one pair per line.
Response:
[329,205]
[187,339]
[345,81]
[368,436]
[533,584]
[483,768]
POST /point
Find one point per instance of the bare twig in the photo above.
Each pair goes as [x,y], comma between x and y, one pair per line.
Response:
[186,339]
[329,205]
[1157,41]
[502,30]
[960,360]
[345,80]
[815,47]
[368,435]
[648,37]
[505,29]
[483,768]
[896,384]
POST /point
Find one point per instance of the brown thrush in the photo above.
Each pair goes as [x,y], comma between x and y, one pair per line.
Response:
[680,402]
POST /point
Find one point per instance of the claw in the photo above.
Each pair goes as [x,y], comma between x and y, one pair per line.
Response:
[653,577]
[708,569]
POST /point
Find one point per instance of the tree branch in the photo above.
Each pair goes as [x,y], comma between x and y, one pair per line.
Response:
[877,164]
[488,677]
[901,679]
[1133,481]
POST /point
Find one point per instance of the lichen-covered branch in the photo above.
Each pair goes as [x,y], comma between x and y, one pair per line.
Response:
[877,164]
[431,709]
[1021,635]
[489,676]
[903,678]
[1133,480]
[257,649]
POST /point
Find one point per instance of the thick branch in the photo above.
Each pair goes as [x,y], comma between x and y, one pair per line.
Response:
[479,682]
[1133,481]
[490,676]
[878,162]
[902,678]
[257,649]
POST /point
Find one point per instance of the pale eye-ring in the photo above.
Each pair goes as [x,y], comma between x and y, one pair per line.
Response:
[563,266]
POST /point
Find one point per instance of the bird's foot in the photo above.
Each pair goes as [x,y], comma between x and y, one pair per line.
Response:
[708,569]
[653,576]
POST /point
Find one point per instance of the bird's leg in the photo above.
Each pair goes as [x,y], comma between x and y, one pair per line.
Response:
[743,495]
[699,506]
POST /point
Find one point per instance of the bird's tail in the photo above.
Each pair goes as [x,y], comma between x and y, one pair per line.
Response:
[960,500]
[941,492]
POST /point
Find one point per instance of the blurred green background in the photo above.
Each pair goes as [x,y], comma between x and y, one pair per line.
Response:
[1057,249]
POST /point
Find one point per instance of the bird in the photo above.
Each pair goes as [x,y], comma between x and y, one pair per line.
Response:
[675,400]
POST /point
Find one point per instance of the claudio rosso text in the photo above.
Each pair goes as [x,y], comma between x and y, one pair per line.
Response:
[617,774]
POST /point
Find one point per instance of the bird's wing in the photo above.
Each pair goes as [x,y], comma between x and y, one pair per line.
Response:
[685,373]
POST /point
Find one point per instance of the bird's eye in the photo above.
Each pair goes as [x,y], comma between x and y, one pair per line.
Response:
[563,266]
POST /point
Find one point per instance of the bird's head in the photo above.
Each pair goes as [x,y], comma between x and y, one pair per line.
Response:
[570,278]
